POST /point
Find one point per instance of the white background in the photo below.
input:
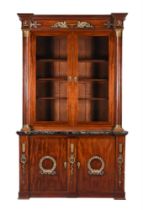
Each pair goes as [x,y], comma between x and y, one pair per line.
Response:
[11,100]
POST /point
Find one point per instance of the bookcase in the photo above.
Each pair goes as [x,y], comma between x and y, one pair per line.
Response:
[72,143]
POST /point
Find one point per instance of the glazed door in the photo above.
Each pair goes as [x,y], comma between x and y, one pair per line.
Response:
[96,156]
[48,165]
[94,79]
[72,79]
[51,70]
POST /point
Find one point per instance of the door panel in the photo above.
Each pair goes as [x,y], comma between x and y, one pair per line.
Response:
[47,164]
[94,79]
[50,85]
[51,78]
[97,161]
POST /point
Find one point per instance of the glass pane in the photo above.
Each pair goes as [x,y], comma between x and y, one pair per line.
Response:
[93,78]
[51,78]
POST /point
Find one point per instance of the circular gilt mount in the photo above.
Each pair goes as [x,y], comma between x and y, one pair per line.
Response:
[96,172]
[50,171]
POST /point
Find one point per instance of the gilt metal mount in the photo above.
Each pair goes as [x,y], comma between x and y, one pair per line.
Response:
[96,172]
[79,25]
[120,163]
[50,171]
[31,24]
[60,25]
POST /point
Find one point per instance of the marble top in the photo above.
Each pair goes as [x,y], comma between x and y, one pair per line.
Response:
[72,133]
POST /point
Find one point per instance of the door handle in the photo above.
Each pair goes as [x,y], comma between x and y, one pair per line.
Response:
[78,165]
[23,147]
[65,164]
[75,79]
[69,78]
[72,148]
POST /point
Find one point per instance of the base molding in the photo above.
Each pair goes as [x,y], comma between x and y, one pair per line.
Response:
[27,195]
[23,195]
[120,196]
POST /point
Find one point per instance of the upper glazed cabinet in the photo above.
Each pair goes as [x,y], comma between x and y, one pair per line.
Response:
[72,62]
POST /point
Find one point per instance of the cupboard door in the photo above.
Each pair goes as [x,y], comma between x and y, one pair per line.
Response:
[95,79]
[50,79]
[48,172]
[97,164]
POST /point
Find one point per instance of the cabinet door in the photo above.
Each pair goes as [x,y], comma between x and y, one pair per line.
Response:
[94,78]
[50,79]
[48,172]
[97,164]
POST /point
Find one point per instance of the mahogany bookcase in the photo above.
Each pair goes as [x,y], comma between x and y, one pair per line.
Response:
[72,143]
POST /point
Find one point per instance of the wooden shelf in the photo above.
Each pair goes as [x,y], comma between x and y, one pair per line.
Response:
[92,80]
[93,60]
[93,98]
[65,60]
[65,79]
[52,79]
[65,98]
[52,60]
[52,98]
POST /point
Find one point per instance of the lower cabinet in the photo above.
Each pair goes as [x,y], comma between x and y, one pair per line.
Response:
[81,166]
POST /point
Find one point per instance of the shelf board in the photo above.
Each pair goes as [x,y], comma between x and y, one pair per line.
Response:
[94,98]
[52,79]
[92,80]
[65,98]
[65,79]
[93,60]
[52,98]
[65,60]
[52,60]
